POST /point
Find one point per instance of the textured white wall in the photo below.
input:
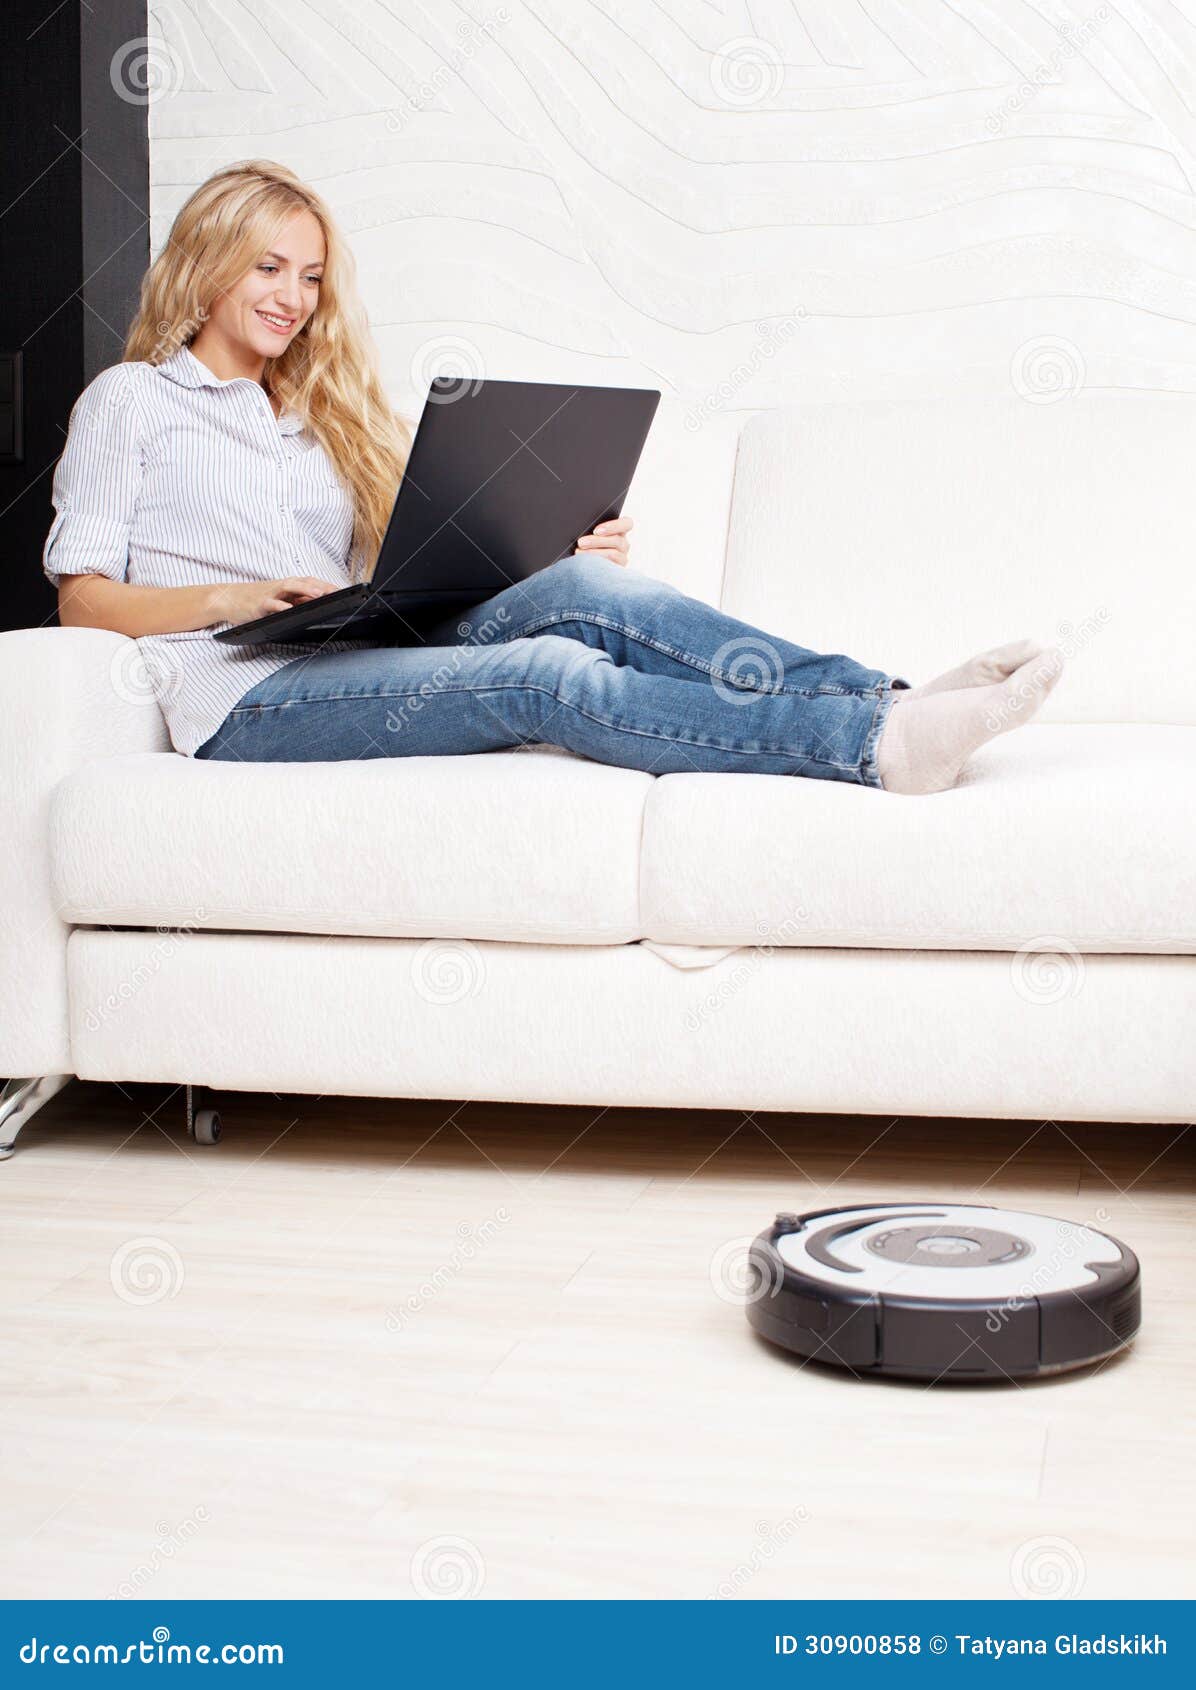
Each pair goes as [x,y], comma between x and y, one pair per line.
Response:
[741,204]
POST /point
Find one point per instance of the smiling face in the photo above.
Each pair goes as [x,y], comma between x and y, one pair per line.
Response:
[260,316]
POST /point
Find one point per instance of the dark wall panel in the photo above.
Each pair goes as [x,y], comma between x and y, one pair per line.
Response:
[74,245]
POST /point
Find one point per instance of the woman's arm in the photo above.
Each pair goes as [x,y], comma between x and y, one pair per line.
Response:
[96,601]
[96,485]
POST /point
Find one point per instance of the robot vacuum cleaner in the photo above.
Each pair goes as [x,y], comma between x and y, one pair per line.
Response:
[942,1291]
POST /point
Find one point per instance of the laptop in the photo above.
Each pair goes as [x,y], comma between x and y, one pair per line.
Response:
[502,480]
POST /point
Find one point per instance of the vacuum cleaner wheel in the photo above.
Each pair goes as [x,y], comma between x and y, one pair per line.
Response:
[942,1290]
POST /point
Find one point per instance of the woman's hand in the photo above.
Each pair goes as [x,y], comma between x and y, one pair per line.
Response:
[245,601]
[609,539]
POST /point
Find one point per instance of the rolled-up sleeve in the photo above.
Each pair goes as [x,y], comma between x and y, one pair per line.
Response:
[96,482]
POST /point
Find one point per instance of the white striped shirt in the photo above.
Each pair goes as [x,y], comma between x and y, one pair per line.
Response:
[171,477]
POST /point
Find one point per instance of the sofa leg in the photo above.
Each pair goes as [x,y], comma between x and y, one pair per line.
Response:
[21,1099]
[203,1122]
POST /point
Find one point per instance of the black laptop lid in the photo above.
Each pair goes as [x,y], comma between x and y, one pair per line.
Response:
[504,477]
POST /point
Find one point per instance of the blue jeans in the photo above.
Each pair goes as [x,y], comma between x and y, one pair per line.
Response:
[589,655]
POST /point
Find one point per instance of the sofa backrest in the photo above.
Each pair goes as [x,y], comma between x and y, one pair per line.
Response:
[912,533]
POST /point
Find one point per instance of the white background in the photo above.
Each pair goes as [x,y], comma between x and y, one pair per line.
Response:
[741,205]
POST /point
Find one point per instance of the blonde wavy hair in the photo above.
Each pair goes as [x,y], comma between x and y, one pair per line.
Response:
[328,373]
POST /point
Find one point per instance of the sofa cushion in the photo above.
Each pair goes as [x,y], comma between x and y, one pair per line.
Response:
[1058,837]
[911,533]
[501,845]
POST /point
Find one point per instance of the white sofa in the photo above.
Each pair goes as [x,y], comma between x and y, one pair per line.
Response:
[539,927]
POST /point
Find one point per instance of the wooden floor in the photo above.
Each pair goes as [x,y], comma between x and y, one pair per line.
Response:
[387,1349]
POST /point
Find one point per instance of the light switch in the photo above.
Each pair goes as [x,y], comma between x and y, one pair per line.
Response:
[10,409]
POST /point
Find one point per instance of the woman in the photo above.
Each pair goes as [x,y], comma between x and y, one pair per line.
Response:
[247,431]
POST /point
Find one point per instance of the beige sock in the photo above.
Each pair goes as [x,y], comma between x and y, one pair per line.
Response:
[979,671]
[927,740]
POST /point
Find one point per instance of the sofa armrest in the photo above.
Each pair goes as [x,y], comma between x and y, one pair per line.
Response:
[67,695]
